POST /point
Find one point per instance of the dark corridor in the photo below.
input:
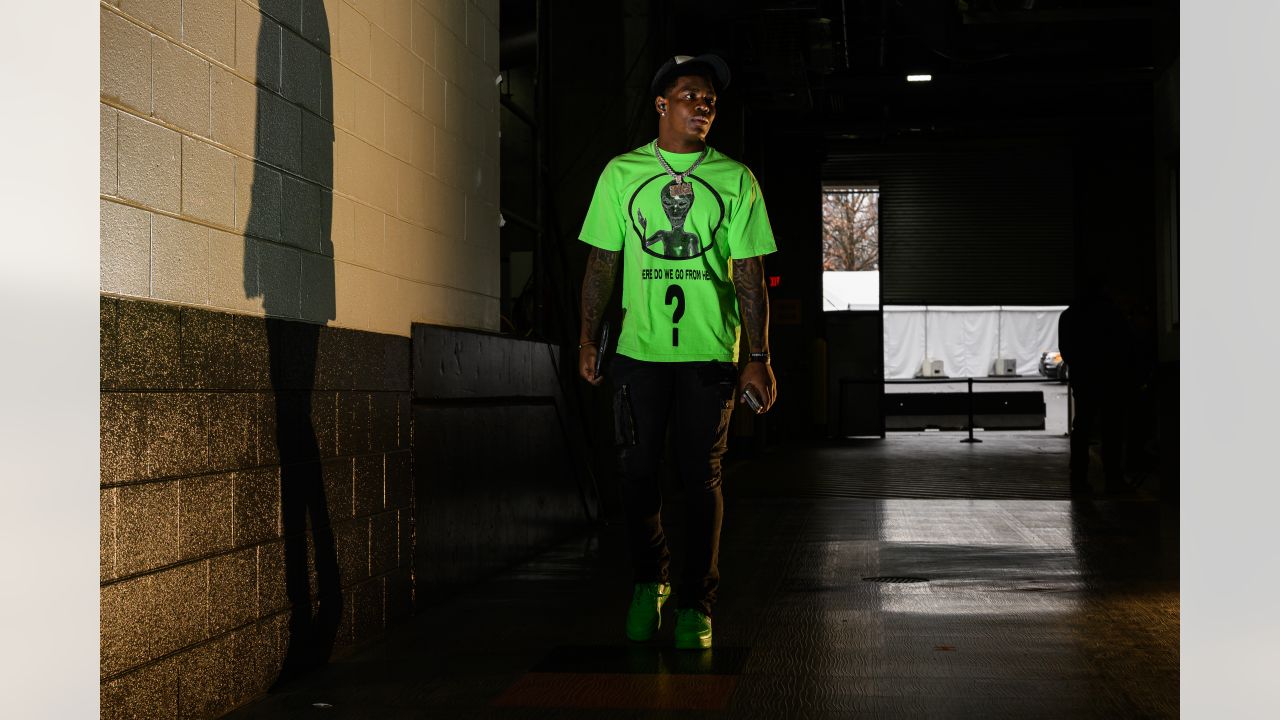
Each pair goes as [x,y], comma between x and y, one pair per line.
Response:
[908,577]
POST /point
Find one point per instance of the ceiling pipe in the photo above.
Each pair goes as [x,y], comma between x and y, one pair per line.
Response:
[884,32]
[844,27]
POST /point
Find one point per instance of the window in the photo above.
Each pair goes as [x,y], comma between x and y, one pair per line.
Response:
[851,247]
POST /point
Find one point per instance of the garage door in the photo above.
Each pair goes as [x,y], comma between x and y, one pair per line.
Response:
[989,225]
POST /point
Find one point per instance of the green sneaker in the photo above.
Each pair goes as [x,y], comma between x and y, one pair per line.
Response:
[645,614]
[693,630]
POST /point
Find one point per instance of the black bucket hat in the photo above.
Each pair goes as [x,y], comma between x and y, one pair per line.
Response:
[679,65]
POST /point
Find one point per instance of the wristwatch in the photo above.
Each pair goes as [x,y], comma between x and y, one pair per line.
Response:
[758,357]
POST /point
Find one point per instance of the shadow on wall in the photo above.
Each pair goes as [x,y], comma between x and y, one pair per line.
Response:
[289,264]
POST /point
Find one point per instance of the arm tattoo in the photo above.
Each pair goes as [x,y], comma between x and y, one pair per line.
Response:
[597,287]
[753,301]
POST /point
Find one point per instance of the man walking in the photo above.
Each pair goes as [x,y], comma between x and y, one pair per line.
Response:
[688,226]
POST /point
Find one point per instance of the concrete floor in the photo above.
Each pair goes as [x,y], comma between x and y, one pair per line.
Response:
[1030,606]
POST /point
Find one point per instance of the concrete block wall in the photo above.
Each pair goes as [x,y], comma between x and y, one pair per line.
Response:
[209,535]
[326,160]
[286,186]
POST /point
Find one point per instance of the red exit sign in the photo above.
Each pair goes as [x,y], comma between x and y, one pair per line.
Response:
[775,281]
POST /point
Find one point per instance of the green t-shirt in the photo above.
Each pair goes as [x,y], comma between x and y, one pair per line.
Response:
[678,298]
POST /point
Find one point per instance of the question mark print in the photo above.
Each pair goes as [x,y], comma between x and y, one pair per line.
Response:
[675,292]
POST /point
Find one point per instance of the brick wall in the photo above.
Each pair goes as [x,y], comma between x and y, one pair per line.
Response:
[196,508]
[329,160]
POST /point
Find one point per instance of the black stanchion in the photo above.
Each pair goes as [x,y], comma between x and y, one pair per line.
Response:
[971,438]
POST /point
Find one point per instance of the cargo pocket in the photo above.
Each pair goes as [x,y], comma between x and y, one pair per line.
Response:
[624,418]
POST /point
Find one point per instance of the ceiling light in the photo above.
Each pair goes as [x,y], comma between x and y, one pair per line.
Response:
[919,78]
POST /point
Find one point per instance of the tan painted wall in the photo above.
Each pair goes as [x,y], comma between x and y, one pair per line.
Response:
[332,160]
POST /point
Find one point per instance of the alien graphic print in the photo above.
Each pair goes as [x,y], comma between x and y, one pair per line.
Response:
[673,242]
[678,241]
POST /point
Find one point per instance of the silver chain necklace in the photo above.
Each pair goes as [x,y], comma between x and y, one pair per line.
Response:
[680,187]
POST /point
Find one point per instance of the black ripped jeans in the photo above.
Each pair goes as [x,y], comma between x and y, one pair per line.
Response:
[693,401]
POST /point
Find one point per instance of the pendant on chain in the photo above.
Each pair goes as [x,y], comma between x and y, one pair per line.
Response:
[679,187]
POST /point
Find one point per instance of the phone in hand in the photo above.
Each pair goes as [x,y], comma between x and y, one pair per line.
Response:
[601,348]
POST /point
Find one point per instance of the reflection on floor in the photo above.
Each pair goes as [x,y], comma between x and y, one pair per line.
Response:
[1028,609]
[1029,465]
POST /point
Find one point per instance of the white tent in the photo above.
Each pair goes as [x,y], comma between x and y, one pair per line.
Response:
[967,339]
